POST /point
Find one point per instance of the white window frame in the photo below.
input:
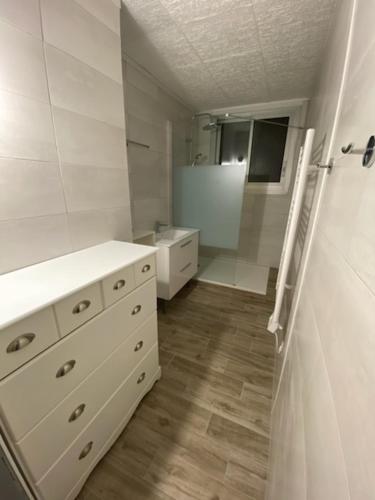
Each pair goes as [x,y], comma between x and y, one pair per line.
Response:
[296,111]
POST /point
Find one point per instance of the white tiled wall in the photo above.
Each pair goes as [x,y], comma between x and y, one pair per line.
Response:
[148,109]
[332,345]
[63,167]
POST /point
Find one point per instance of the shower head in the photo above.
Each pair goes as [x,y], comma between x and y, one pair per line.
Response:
[211,125]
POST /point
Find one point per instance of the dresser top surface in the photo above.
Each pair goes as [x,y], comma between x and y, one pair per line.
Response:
[28,290]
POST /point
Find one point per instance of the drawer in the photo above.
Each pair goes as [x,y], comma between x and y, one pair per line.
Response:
[81,455]
[25,339]
[144,269]
[118,285]
[180,277]
[76,411]
[78,308]
[184,253]
[35,389]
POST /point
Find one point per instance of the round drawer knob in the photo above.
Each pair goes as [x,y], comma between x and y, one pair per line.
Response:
[138,346]
[141,377]
[136,309]
[119,284]
[146,268]
[20,342]
[65,368]
[77,412]
[81,306]
[86,450]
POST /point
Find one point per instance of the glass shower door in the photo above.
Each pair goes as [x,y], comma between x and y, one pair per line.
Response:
[209,198]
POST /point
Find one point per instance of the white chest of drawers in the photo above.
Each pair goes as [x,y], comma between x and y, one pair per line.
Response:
[78,351]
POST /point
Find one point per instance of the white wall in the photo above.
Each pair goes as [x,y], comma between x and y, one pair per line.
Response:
[63,169]
[323,436]
[148,109]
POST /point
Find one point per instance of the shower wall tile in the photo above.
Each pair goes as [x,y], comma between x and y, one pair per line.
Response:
[77,87]
[104,10]
[73,29]
[90,188]
[29,189]
[35,239]
[22,63]
[23,14]
[27,130]
[85,141]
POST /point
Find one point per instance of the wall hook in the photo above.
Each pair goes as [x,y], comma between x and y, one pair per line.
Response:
[349,150]
[368,156]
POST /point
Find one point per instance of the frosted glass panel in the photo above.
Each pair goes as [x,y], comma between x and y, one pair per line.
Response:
[209,198]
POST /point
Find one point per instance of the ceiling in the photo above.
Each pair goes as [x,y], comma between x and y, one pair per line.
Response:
[217,53]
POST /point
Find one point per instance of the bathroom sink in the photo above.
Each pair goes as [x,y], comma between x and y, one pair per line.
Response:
[172,234]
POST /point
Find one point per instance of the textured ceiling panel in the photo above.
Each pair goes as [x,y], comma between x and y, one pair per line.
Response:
[216,53]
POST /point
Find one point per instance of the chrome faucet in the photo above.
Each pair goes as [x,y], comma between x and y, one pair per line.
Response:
[159,225]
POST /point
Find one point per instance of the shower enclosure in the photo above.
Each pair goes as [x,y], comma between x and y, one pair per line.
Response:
[208,195]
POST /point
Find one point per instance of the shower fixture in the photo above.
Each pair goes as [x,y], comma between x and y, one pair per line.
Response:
[214,125]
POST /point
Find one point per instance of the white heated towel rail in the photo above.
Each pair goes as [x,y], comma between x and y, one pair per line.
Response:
[291,229]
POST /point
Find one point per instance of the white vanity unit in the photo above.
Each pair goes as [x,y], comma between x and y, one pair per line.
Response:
[177,259]
[78,351]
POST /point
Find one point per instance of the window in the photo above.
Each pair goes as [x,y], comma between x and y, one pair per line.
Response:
[267,150]
[234,144]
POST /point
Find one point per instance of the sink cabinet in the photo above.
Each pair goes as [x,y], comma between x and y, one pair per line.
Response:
[177,263]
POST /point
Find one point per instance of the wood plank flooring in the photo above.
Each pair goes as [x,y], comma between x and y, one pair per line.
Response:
[202,433]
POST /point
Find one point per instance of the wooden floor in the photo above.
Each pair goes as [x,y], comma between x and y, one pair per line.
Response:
[203,431]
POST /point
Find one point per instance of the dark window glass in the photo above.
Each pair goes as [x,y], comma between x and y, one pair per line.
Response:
[234,143]
[267,150]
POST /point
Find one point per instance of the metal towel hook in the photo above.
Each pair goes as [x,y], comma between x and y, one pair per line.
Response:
[368,157]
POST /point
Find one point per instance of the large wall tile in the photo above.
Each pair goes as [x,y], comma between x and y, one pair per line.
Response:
[26,128]
[106,11]
[154,136]
[29,189]
[85,141]
[348,343]
[143,106]
[22,63]
[24,14]
[71,28]
[28,241]
[88,188]
[325,466]
[96,226]
[80,88]
[82,60]
[139,81]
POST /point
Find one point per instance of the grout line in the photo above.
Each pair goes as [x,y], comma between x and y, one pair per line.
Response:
[53,123]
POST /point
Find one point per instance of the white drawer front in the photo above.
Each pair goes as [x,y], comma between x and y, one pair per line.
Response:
[30,393]
[184,253]
[118,285]
[144,269]
[25,339]
[63,476]
[78,308]
[76,411]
